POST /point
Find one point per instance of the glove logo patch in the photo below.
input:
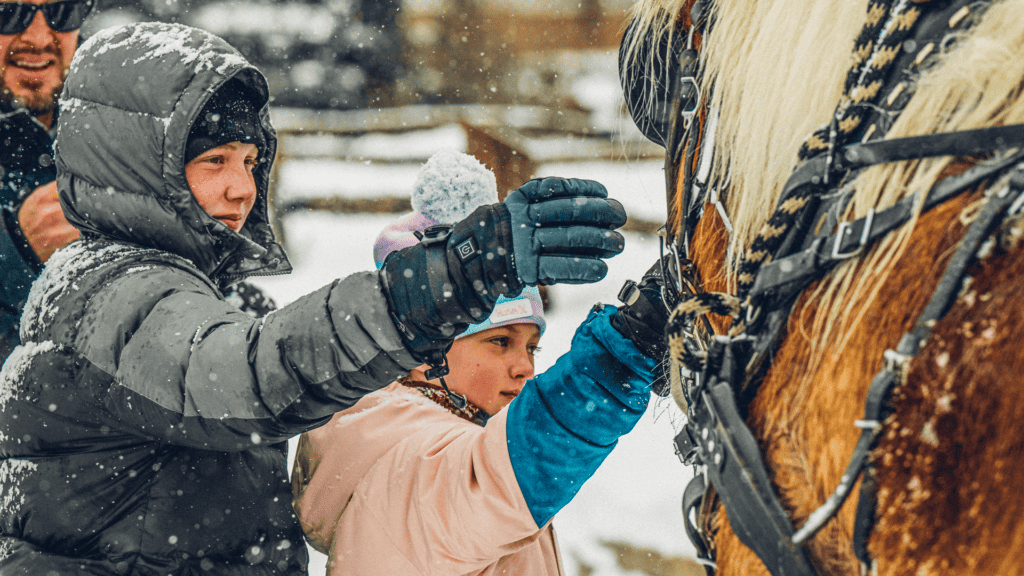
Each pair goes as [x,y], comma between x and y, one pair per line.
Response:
[466,250]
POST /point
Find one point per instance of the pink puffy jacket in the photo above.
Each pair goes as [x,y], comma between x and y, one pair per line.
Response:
[397,485]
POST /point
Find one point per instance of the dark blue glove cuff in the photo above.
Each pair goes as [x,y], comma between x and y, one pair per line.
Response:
[451,279]
[422,301]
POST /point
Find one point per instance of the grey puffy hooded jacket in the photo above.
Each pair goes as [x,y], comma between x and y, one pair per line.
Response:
[142,419]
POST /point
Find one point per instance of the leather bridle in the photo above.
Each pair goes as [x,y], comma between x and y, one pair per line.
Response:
[716,392]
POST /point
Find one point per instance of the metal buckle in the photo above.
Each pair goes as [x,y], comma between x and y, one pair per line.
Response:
[716,200]
[753,312]
[864,235]
[692,81]
[1016,186]
[434,234]
[894,360]
[676,276]
[690,113]
[629,293]
[1016,206]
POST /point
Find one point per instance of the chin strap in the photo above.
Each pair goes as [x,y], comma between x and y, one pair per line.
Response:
[438,370]
[470,412]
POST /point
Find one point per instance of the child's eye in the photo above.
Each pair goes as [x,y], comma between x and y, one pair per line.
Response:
[533,350]
[500,341]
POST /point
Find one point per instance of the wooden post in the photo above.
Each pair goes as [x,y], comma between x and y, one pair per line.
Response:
[502,151]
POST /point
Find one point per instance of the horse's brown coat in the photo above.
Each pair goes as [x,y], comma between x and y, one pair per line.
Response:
[949,460]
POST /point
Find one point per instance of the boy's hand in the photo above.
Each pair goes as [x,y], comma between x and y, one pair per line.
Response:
[562,229]
[548,231]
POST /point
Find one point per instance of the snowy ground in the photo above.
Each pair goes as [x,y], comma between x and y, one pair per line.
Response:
[635,496]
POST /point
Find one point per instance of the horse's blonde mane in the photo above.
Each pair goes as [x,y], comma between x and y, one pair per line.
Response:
[774,71]
[977,83]
[777,68]
[758,65]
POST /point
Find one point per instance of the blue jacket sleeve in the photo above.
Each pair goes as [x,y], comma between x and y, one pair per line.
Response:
[567,420]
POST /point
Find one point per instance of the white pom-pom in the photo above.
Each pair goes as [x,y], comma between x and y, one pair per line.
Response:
[451,185]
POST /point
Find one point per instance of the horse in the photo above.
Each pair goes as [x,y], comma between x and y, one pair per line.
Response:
[773,85]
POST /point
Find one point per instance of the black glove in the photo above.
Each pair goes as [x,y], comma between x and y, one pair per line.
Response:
[548,231]
[643,316]
[562,229]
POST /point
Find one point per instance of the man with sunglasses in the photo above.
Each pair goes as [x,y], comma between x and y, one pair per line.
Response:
[37,41]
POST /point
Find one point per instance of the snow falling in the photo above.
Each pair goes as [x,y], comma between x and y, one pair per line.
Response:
[609,506]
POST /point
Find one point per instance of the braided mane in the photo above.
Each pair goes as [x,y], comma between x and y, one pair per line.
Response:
[774,72]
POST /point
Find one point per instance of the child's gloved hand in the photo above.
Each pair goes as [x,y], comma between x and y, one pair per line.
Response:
[549,231]
[643,316]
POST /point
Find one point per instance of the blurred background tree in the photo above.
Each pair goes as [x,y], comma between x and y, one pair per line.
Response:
[315,53]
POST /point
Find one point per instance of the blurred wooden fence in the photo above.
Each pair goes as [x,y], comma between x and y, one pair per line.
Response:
[509,140]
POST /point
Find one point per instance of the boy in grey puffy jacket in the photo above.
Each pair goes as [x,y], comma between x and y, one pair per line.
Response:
[143,417]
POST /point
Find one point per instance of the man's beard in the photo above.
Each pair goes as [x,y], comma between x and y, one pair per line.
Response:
[37,103]
[33,96]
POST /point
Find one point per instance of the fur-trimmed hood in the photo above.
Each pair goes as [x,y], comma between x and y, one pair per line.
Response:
[131,97]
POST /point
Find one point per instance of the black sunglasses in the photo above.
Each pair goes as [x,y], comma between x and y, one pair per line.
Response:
[63,16]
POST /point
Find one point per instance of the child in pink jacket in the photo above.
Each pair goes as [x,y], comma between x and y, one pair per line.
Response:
[462,474]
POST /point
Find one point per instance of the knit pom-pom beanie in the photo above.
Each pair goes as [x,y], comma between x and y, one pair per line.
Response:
[448,188]
[451,185]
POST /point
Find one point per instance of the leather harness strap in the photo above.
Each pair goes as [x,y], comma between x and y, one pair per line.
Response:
[716,438]
[779,279]
[996,208]
[717,435]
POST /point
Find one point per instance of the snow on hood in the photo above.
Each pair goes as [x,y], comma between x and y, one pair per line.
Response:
[129,101]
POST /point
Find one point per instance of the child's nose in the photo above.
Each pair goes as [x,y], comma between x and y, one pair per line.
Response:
[522,367]
[241,187]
